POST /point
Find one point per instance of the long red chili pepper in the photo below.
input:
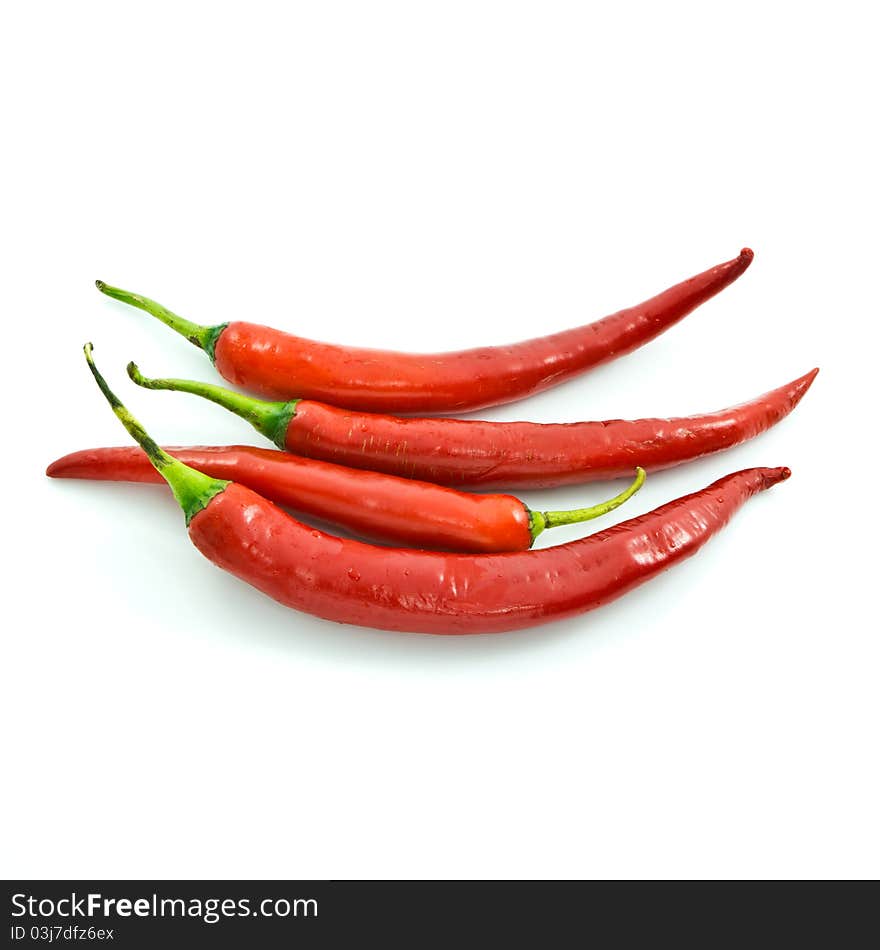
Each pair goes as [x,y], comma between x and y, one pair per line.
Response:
[281,366]
[411,513]
[493,454]
[429,592]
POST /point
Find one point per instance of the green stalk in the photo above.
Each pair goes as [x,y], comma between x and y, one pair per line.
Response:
[271,419]
[539,520]
[201,336]
[192,489]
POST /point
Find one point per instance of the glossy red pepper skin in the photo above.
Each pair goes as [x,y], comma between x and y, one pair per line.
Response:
[527,454]
[427,592]
[279,365]
[399,510]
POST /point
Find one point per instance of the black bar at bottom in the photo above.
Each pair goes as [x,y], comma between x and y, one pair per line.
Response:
[166,914]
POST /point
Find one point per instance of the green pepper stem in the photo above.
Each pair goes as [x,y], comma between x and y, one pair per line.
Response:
[201,336]
[271,419]
[192,489]
[539,520]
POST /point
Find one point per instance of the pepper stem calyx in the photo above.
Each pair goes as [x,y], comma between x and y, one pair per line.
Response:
[540,520]
[271,419]
[201,336]
[192,489]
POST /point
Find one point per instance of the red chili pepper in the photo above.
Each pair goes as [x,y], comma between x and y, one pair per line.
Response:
[282,366]
[407,512]
[493,454]
[430,592]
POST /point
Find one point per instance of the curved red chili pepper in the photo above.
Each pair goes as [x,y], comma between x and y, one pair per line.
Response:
[493,454]
[429,592]
[401,510]
[282,366]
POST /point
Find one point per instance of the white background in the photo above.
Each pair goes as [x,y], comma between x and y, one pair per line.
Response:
[430,176]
